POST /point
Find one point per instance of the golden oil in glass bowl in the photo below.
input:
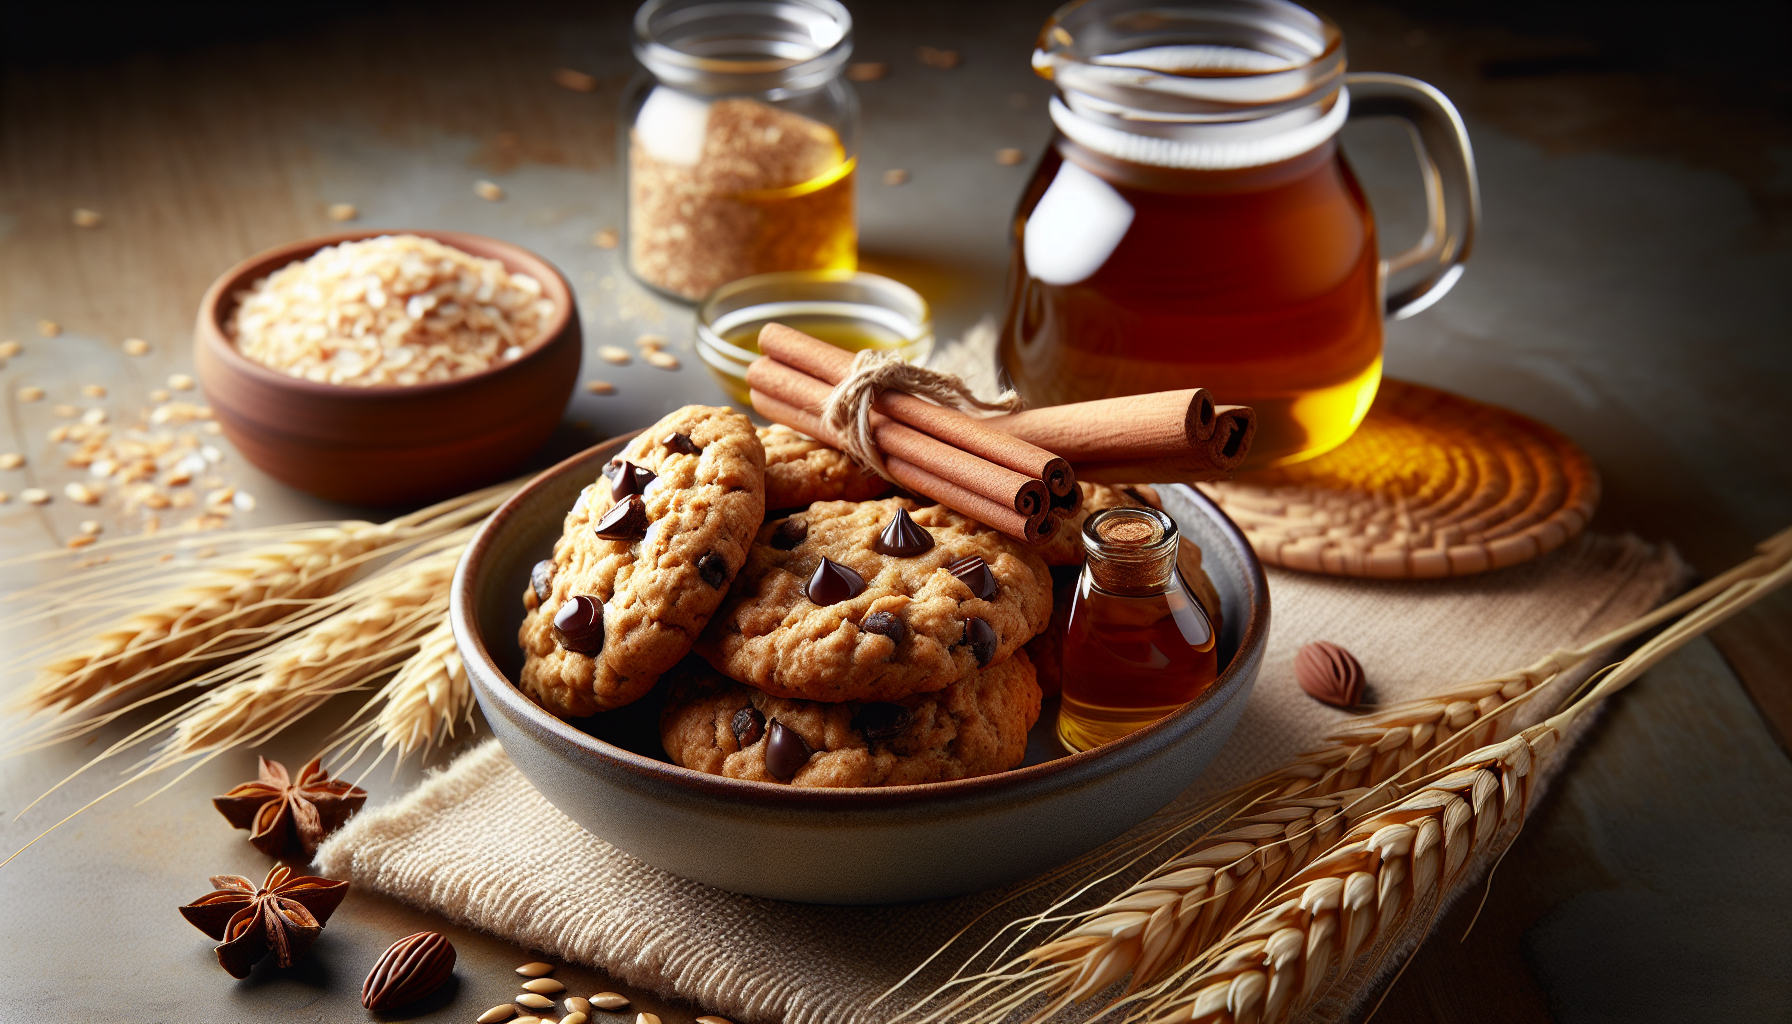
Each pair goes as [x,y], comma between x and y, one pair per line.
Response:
[853,310]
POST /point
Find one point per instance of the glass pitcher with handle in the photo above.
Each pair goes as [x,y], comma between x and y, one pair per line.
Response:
[1194,223]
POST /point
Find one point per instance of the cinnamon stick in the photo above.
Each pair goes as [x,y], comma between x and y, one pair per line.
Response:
[1023,495]
[1167,424]
[1031,529]
[831,365]
[1214,459]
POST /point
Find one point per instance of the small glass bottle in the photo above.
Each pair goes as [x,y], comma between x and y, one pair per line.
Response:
[1138,645]
[740,141]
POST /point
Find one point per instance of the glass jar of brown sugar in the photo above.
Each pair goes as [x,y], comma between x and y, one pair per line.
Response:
[1194,223]
[741,140]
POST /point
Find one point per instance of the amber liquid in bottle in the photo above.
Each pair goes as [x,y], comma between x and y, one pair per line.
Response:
[1138,646]
[1261,284]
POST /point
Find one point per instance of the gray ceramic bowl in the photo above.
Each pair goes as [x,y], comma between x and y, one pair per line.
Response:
[889,845]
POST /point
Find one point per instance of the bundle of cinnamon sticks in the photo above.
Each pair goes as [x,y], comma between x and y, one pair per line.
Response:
[1018,472]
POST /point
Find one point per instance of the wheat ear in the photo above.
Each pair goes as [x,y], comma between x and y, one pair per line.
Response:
[1276,825]
[418,707]
[201,614]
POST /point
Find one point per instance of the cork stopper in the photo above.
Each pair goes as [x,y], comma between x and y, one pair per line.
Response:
[1131,550]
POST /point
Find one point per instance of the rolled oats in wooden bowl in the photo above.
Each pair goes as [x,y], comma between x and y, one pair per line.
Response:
[390,310]
[384,368]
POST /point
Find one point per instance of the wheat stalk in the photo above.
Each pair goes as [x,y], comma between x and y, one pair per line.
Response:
[201,615]
[1273,828]
[418,707]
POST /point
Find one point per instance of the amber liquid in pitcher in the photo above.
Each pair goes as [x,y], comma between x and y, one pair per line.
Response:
[1261,284]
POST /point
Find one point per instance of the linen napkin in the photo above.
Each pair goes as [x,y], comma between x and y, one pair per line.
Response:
[568,893]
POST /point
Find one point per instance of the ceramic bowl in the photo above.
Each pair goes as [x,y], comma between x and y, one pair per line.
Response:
[389,445]
[849,846]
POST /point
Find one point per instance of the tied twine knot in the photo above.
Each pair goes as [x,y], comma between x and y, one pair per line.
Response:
[847,412]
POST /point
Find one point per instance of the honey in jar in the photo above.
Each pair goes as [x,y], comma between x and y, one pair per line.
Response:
[1138,645]
[1194,222]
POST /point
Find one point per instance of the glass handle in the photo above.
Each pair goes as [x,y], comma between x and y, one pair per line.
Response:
[1421,275]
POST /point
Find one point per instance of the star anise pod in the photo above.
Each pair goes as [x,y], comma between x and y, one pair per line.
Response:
[282,917]
[283,816]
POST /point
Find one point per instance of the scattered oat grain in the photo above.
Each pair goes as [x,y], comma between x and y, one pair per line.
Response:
[600,387]
[534,1001]
[577,1004]
[67,412]
[49,328]
[647,1018]
[577,81]
[91,526]
[159,395]
[867,71]
[81,494]
[895,176]
[612,354]
[650,342]
[1009,157]
[81,540]
[31,394]
[343,211]
[543,986]
[527,1020]
[180,382]
[83,218]
[609,1000]
[575,1017]
[10,348]
[35,496]
[933,57]
[136,347]
[502,1011]
[11,460]
[94,417]
[608,238]
[663,360]
[490,191]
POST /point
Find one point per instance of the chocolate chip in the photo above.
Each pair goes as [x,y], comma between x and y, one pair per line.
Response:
[629,479]
[579,625]
[626,520]
[680,443]
[541,578]
[974,572]
[713,570]
[833,583]
[885,624]
[611,467]
[981,637]
[903,537]
[748,725]
[789,533]
[785,751]
[880,721]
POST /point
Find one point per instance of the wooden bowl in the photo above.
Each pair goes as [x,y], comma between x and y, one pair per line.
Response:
[392,444]
[852,846]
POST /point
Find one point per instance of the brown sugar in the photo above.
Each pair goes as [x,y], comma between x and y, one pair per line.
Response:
[767,190]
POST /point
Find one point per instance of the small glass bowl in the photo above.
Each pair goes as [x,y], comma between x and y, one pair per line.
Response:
[851,309]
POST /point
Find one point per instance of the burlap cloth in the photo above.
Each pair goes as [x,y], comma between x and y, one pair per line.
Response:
[450,845]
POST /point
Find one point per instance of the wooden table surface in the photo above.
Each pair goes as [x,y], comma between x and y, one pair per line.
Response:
[1630,288]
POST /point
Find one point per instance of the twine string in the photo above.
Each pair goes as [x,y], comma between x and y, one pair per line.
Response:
[847,412]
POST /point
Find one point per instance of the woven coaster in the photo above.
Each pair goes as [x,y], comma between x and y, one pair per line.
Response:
[1430,485]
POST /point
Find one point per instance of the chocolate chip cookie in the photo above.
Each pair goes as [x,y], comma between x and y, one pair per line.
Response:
[976,726]
[644,559]
[800,471]
[846,601]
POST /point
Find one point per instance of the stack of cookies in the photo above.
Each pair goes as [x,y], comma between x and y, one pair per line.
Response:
[849,638]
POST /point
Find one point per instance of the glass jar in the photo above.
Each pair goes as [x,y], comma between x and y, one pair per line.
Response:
[1194,222]
[1138,645]
[741,142]
[853,310]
